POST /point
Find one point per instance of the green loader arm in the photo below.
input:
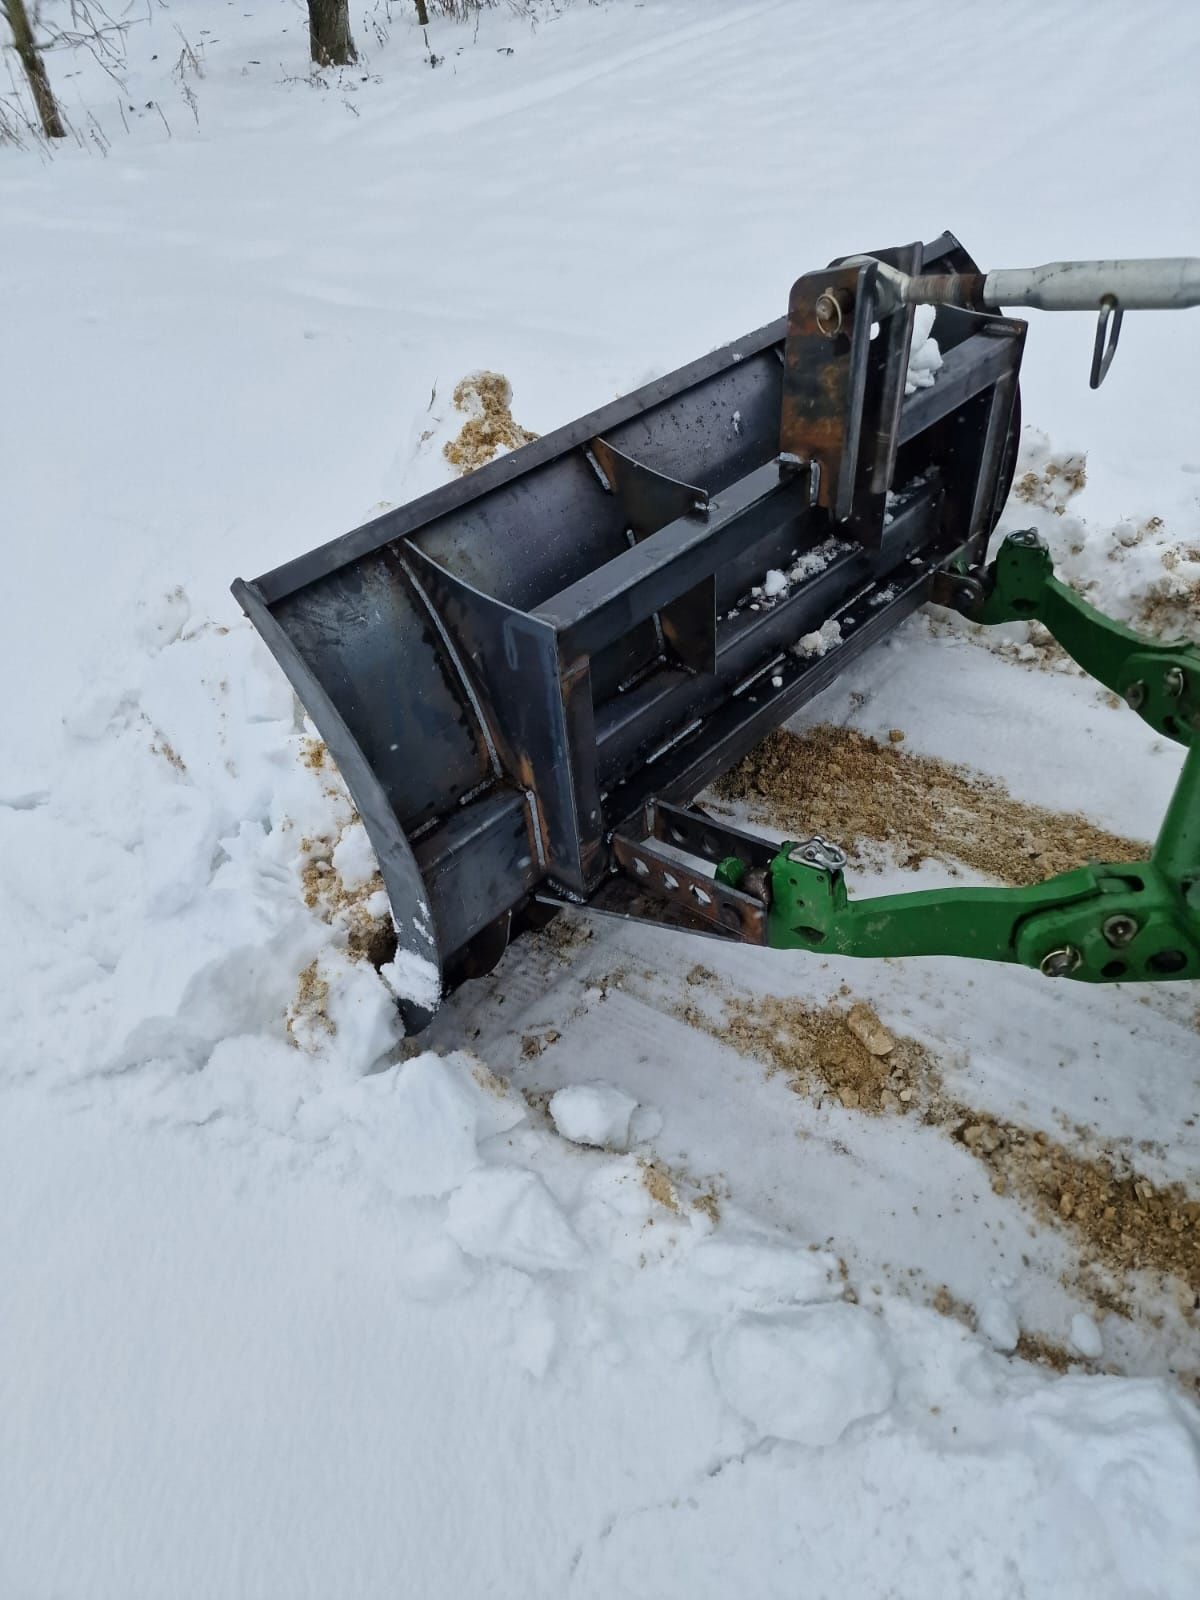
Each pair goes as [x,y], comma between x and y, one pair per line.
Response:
[1113,923]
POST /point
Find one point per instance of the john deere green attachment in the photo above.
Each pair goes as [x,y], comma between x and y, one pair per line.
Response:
[1112,923]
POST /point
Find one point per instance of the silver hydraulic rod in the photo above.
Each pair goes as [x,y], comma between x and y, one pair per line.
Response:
[1163,283]
[1110,288]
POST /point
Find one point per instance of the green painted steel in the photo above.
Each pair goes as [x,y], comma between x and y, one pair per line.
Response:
[1119,922]
[1159,679]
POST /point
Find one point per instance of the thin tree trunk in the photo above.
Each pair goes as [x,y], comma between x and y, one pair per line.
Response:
[35,69]
[422,13]
[329,33]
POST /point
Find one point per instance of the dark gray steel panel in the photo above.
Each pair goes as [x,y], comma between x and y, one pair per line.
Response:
[538,710]
[451,497]
[478,864]
[415,927]
[377,656]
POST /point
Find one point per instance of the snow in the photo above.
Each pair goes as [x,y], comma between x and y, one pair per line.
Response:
[806,1375]
[924,356]
[412,977]
[820,640]
[353,859]
[777,583]
[998,1323]
[1085,1337]
[295,1306]
[593,1113]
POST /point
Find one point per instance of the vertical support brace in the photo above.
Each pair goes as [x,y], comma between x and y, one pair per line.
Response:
[826,360]
[538,711]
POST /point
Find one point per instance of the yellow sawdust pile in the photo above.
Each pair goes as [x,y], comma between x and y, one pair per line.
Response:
[486,397]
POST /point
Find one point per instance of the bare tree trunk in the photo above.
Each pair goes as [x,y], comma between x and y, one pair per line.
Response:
[422,13]
[30,57]
[329,33]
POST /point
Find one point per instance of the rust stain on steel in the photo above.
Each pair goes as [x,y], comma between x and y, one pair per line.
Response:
[948,289]
[819,376]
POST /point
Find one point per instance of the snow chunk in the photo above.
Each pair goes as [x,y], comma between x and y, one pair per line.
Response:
[363,1016]
[412,977]
[509,1215]
[760,1274]
[774,583]
[819,642]
[1085,1337]
[805,1375]
[430,1122]
[353,858]
[998,1324]
[593,1113]
[924,357]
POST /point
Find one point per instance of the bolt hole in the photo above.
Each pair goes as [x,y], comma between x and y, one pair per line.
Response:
[1114,969]
[670,880]
[810,935]
[698,895]
[1166,961]
[640,867]
[676,834]
[1171,727]
[1024,606]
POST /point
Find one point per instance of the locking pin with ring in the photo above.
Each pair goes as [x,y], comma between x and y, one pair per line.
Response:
[1062,962]
[831,310]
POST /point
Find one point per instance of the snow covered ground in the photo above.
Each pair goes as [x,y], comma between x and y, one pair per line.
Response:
[573,1296]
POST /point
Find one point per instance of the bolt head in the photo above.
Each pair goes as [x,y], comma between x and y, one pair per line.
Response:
[1174,682]
[1119,930]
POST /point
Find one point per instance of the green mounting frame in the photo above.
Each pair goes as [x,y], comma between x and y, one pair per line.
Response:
[1108,923]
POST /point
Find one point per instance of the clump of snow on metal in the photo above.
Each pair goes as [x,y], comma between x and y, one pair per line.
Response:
[778,582]
[924,356]
[820,641]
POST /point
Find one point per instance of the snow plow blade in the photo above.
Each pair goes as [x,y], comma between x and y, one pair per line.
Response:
[509,669]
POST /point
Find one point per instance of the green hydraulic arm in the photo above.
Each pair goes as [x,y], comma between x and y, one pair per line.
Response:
[1106,923]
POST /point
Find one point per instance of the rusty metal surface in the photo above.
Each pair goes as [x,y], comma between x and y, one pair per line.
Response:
[824,378]
[964,289]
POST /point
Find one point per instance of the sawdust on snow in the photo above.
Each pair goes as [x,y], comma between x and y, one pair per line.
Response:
[840,783]
[370,935]
[308,1009]
[486,397]
[1053,485]
[1119,1220]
